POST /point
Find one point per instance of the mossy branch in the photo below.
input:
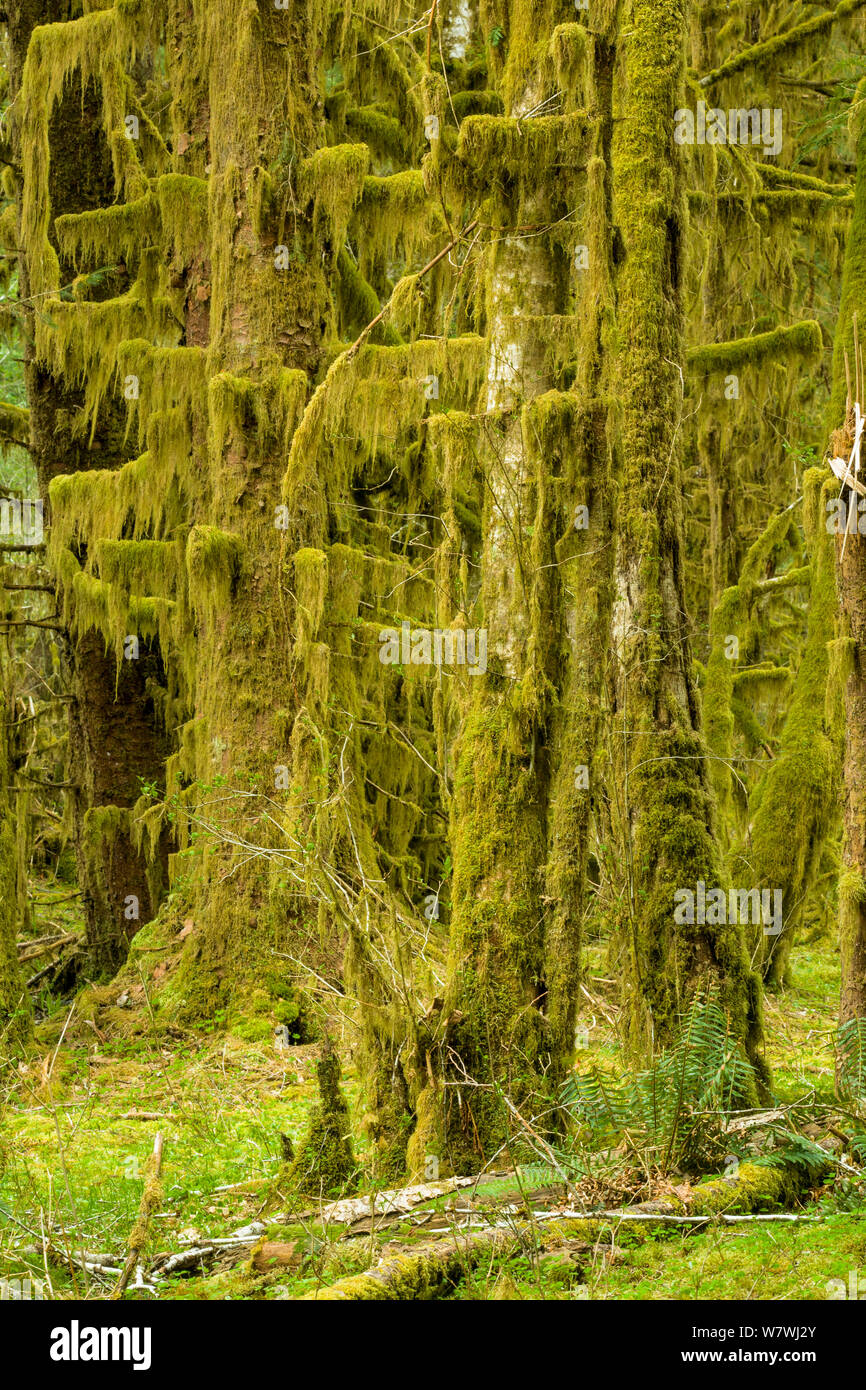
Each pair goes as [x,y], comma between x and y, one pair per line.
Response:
[801,339]
[758,54]
[150,1200]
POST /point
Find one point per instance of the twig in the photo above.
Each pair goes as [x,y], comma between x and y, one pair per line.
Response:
[149,1201]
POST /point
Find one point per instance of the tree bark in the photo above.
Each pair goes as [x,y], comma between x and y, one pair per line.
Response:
[667,812]
[113,735]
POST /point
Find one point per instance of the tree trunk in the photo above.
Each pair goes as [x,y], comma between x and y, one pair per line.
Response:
[114,742]
[668,810]
[14,1001]
[526,750]
[851,586]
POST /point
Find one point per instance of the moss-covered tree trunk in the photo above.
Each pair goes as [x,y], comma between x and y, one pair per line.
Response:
[114,739]
[852,888]
[496,986]
[523,785]
[668,807]
[580,446]
[262,332]
[14,1002]
[795,806]
[851,584]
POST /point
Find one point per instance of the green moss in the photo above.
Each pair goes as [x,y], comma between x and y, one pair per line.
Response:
[324,1165]
[15,1017]
[213,563]
[795,805]
[665,769]
[81,342]
[497,148]
[380,130]
[14,424]
[141,567]
[311,588]
[476,104]
[112,234]
[761,54]
[332,180]
[393,217]
[723,679]
[853,295]
[801,340]
[359,301]
[757,1187]
[571,49]
[183,211]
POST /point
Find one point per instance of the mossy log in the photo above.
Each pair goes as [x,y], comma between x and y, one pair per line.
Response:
[405,1274]
[426,1273]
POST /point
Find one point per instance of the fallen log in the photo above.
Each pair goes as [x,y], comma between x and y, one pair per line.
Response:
[151,1198]
[391,1202]
[405,1274]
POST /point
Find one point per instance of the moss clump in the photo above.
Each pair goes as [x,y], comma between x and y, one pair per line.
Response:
[324,1165]
[332,180]
[14,424]
[757,1187]
[380,130]
[213,561]
[494,148]
[801,340]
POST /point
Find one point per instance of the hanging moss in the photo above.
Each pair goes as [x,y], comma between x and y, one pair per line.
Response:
[332,180]
[141,567]
[394,216]
[82,341]
[794,807]
[571,50]
[183,210]
[528,152]
[110,234]
[213,562]
[166,376]
[381,131]
[14,424]
[96,45]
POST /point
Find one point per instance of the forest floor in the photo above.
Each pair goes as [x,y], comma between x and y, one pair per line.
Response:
[80,1116]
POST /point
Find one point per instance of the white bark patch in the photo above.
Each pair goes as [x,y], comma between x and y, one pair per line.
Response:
[458,30]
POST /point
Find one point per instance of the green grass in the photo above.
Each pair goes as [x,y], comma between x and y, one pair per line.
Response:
[73,1157]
